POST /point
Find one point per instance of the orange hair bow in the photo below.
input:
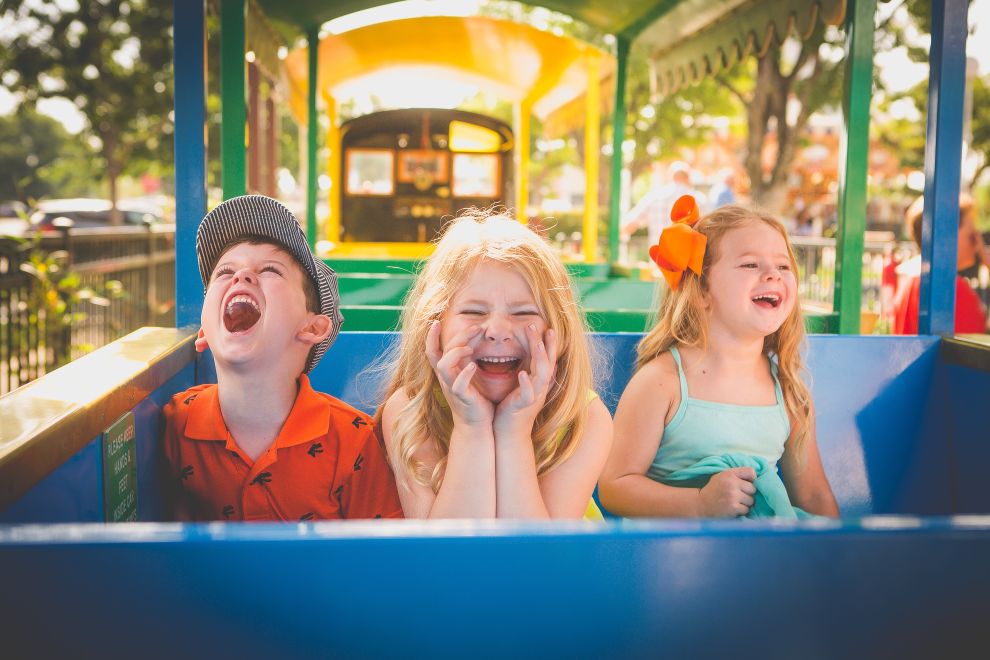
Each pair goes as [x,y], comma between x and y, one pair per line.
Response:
[681,247]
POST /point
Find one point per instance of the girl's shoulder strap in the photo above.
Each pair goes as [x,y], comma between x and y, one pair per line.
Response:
[674,353]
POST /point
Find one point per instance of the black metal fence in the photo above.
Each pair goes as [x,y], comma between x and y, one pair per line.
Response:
[65,294]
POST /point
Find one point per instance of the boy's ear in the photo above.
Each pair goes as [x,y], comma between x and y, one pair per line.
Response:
[201,343]
[317,329]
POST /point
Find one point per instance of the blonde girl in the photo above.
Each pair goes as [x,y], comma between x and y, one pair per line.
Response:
[490,411]
[717,400]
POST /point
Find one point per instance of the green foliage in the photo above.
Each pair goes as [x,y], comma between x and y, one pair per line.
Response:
[39,158]
[903,136]
[57,298]
[981,128]
[661,126]
[112,59]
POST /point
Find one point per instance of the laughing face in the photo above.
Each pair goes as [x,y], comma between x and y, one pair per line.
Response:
[255,306]
[751,287]
[497,299]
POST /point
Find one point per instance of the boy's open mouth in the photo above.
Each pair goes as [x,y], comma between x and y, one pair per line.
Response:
[498,365]
[767,300]
[241,313]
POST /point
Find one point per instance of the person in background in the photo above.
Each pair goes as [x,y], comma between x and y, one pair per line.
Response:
[723,192]
[653,210]
[971,317]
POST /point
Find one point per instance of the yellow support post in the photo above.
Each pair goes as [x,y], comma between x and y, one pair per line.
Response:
[333,169]
[523,111]
[592,149]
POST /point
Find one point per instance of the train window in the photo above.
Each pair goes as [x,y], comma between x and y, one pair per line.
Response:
[476,175]
[369,172]
[473,138]
[416,166]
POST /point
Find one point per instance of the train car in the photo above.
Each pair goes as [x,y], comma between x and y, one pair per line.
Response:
[900,421]
[405,171]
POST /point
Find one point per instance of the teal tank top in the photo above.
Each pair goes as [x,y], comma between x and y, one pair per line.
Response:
[701,429]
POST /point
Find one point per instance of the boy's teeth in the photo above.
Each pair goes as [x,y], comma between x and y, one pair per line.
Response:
[242,299]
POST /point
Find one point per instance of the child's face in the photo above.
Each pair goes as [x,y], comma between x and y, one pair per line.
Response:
[751,288]
[498,299]
[255,306]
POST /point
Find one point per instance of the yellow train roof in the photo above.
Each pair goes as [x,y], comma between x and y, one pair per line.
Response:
[515,62]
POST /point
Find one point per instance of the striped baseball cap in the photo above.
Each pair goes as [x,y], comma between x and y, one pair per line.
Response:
[257,215]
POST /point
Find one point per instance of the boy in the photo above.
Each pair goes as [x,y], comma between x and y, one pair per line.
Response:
[261,444]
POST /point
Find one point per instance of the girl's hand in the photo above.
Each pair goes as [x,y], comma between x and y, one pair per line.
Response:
[455,369]
[729,493]
[518,410]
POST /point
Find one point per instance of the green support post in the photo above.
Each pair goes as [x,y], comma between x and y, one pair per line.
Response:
[233,154]
[618,136]
[313,40]
[853,163]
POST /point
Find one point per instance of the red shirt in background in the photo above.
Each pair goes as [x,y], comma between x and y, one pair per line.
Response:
[970,315]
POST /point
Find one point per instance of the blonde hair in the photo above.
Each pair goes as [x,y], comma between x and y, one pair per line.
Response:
[683,318]
[476,236]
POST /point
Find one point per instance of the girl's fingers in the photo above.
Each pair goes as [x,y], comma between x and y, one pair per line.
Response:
[433,352]
[537,351]
[462,383]
[543,354]
[526,393]
[464,336]
[550,339]
[434,347]
[451,361]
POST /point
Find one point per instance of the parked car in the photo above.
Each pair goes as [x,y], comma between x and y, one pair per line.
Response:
[13,220]
[86,213]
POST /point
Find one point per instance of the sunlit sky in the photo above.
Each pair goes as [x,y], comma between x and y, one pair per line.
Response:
[899,72]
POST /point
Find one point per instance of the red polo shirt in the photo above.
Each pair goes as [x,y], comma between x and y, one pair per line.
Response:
[326,463]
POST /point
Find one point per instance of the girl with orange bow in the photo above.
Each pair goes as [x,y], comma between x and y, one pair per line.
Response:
[717,400]
[490,411]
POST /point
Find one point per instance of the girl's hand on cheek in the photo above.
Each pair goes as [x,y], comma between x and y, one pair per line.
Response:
[520,408]
[455,370]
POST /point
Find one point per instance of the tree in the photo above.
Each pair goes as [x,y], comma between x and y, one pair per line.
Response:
[112,59]
[908,137]
[38,158]
[980,125]
[662,126]
[780,92]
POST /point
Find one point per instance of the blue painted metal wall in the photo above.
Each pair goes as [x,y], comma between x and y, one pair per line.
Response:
[968,394]
[881,588]
[880,420]
[74,492]
[893,433]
